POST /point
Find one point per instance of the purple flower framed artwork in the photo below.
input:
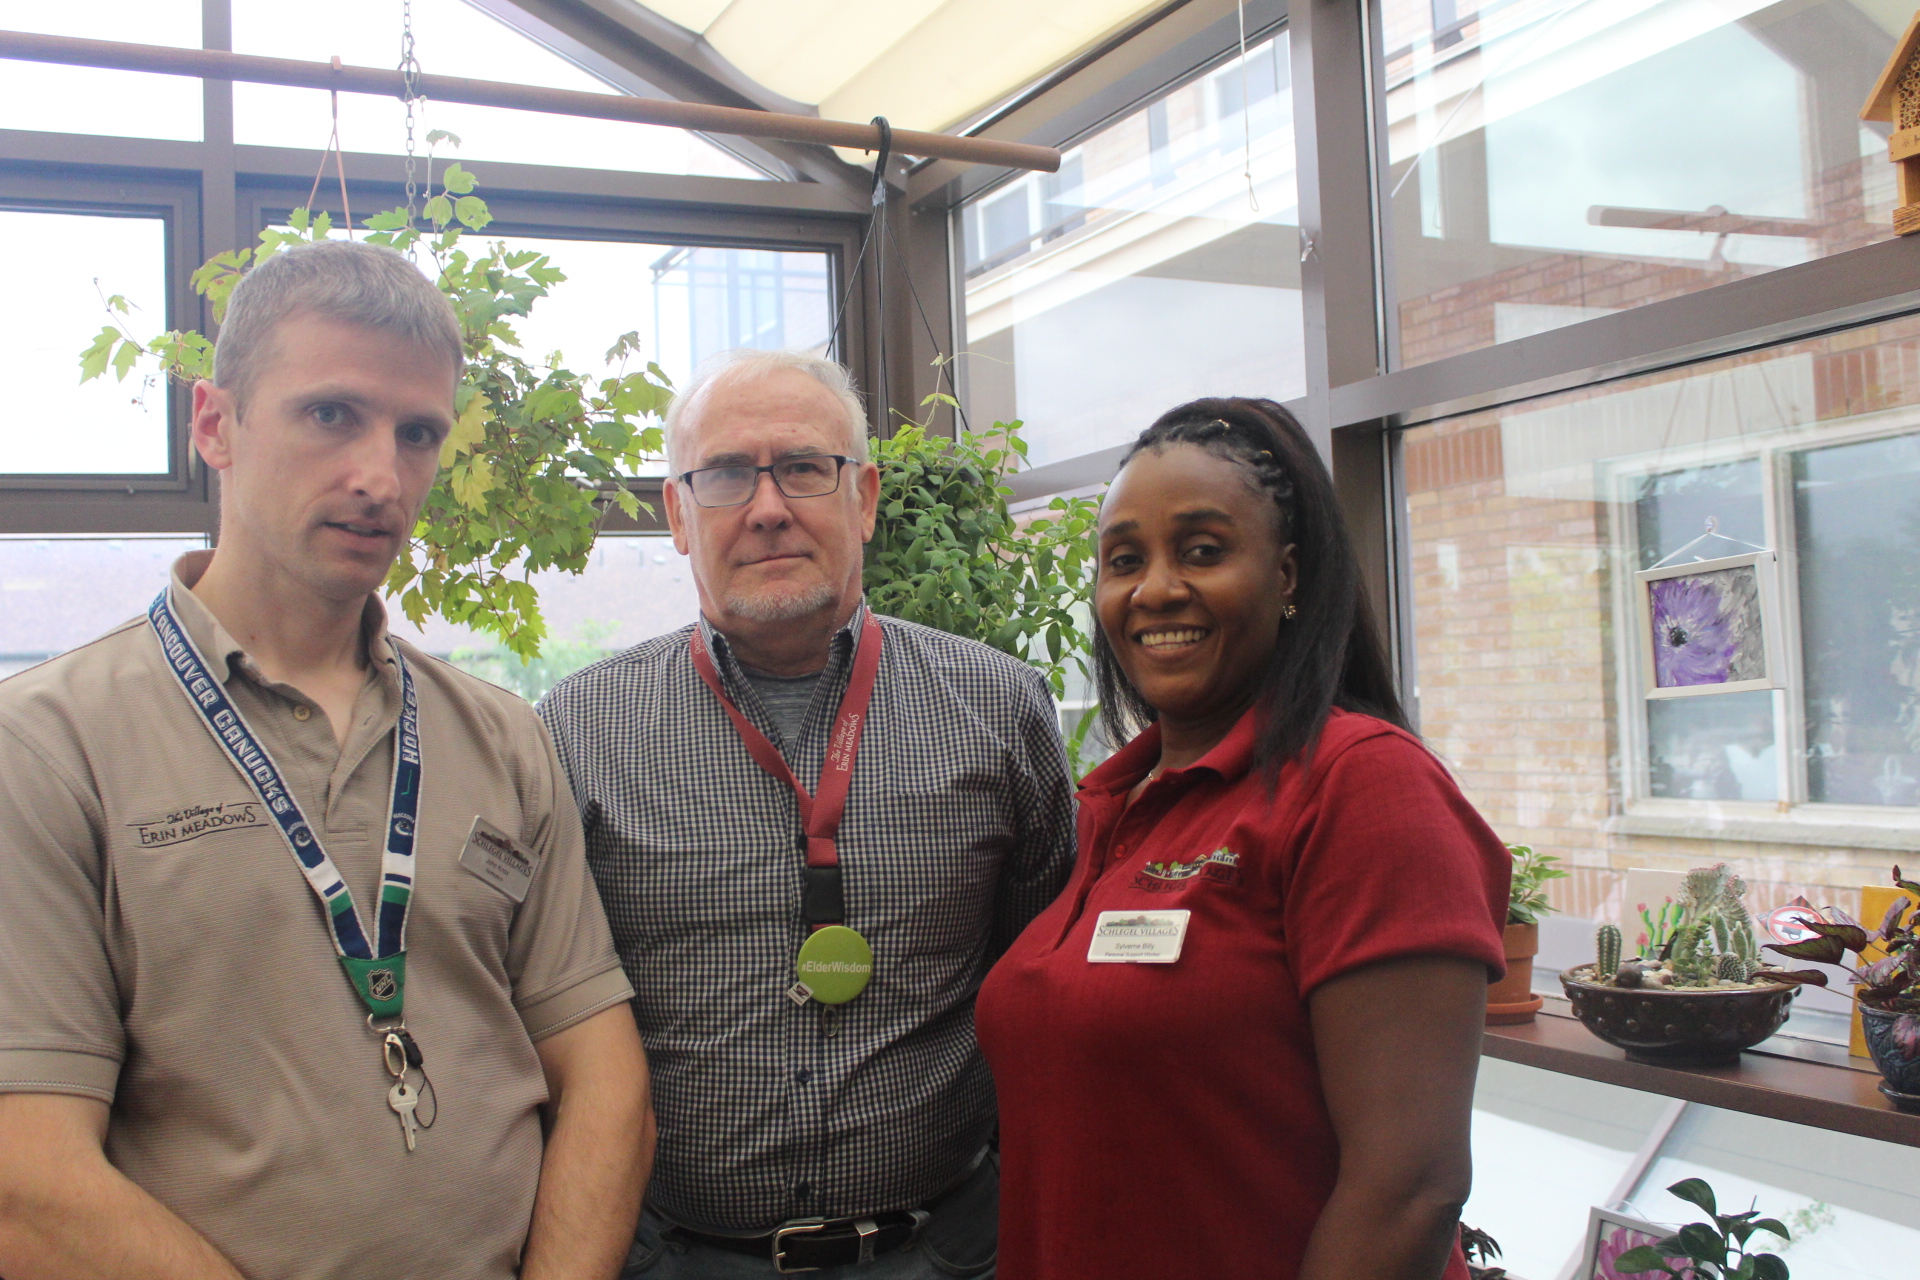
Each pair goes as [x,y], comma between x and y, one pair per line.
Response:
[1610,1234]
[1710,627]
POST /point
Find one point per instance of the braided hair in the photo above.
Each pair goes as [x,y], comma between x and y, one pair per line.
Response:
[1329,654]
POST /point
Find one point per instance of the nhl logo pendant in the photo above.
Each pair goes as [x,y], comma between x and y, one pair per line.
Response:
[381,984]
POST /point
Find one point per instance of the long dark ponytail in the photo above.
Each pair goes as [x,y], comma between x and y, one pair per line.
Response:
[1329,655]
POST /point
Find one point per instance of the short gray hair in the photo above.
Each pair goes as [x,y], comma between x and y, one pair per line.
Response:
[343,280]
[743,363]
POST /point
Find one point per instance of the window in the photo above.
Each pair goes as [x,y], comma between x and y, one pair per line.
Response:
[128,104]
[1146,272]
[635,587]
[53,424]
[57,593]
[1526,525]
[452,39]
[1555,160]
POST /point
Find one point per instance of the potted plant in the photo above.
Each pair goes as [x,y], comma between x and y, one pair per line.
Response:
[1701,996]
[1887,989]
[1512,999]
[1714,1250]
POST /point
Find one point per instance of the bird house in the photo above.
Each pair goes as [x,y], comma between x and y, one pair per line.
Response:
[1896,101]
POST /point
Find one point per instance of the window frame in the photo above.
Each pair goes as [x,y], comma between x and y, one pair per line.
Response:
[1796,817]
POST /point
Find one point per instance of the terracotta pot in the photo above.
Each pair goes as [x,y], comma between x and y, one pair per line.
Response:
[1902,1073]
[1512,1000]
[1677,1026]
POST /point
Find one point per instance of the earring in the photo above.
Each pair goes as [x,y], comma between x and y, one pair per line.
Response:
[1289,611]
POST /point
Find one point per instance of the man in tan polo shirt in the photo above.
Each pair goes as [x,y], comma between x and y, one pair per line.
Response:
[301,971]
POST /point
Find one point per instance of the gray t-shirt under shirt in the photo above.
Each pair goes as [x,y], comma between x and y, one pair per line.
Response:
[786,698]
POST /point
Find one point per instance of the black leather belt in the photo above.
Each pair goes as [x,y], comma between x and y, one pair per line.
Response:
[810,1244]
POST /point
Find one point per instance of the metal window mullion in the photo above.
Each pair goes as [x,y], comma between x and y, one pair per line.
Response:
[1790,703]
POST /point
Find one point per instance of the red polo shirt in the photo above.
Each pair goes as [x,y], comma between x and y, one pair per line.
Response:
[1166,1119]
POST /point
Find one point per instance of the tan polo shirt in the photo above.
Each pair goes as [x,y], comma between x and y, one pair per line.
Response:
[160,950]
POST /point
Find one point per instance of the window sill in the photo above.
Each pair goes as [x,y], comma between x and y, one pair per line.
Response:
[1798,1081]
[1758,824]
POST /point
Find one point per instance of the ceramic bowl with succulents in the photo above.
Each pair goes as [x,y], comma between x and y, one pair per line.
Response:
[1698,995]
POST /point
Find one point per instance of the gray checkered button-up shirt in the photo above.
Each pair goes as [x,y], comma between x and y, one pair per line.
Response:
[958,831]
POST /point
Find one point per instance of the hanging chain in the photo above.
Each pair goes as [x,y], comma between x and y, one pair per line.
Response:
[411,93]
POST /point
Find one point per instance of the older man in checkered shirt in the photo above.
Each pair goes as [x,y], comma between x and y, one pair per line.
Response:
[796,1134]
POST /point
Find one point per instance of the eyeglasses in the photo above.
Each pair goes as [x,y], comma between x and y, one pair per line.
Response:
[813,475]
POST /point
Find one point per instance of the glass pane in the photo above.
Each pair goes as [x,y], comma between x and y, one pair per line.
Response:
[634,588]
[52,424]
[127,104]
[1852,1204]
[1527,523]
[1545,1146]
[1145,272]
[1857,516]
[42,615]
[1524,193]
[452,39]
[1717,748]
[1700,512]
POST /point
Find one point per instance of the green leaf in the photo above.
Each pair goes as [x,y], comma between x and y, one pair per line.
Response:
[1767,1266]
[472,212]
[438,211]
[437,136]
[1643,1259]
[124,358]
[456,181]
[93,361]
[1695,1191]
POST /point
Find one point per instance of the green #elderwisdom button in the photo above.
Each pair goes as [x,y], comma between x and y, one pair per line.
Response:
[835,964]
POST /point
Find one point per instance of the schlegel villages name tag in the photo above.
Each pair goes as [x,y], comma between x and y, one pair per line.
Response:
[1138,937]
[492,855]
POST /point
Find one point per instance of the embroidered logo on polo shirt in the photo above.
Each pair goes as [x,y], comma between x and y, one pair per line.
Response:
[1222,866]
[195,820]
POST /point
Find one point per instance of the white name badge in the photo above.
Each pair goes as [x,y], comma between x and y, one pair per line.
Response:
[492,855]
[1138,937]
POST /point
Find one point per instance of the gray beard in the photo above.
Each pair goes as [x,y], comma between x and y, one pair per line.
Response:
[774,605]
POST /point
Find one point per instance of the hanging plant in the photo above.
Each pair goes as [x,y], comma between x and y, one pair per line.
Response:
[537,450]
[947,553]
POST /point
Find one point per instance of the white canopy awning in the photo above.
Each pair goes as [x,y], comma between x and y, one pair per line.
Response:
[924,64]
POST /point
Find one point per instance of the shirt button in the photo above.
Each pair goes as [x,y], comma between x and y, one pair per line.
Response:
[303,712]
[804,1076]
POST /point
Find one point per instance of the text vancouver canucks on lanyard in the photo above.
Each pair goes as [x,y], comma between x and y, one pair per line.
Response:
[835,963]
[378,973]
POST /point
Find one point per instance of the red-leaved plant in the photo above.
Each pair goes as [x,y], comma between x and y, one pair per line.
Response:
[1892,982]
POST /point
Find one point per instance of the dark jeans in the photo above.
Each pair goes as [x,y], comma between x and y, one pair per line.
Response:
[958,1241]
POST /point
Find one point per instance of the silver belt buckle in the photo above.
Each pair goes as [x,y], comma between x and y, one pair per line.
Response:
[869,1232]
[798,1227]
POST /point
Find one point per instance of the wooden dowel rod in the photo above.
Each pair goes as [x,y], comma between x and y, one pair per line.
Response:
[211,64]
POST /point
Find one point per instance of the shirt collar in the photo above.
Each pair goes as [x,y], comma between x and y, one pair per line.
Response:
[218,645]
[1229,759]
[842,642]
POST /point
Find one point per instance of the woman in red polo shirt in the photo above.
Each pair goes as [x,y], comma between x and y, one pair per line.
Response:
[1242,1043]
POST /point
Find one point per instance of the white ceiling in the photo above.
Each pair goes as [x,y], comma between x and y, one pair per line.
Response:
[924,64]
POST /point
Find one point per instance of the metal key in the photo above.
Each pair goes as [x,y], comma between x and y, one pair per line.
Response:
[403,1099]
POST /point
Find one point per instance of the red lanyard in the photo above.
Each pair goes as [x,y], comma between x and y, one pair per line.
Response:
[820,813]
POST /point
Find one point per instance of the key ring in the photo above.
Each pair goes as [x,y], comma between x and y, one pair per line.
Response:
[393,1052]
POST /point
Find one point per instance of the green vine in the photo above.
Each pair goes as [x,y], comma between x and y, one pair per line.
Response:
[537,451]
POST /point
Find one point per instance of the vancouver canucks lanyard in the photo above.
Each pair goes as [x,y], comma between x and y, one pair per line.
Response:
[835,963]
[378,975]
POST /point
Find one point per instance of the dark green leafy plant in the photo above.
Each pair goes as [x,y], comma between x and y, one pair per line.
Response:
[1891,982]
[538,451]
[1480,1250]
[1527,899]
[947,553]
[1715,1250]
